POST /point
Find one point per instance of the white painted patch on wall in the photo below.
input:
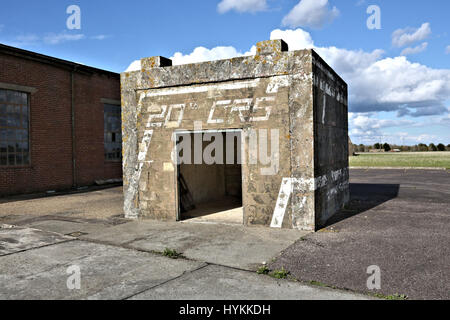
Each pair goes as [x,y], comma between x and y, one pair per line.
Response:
[175,123]
[222,103]
[244,84]
[238,105]
[134,182]
[276,83]
[144,146]
[282,203]
[152,117]
[324,108]
[290,185]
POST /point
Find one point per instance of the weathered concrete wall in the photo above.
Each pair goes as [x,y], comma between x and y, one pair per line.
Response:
[330,140]
[271,94]
[207,182]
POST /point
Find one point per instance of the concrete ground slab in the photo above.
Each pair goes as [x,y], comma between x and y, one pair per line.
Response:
[234,246]
[14,239]
[221,283]
[107,272]
[398,220]
[231,216]
[68,227]
[99,204]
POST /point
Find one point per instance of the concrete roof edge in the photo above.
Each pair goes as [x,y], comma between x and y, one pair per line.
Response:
[263,66]
[317,56]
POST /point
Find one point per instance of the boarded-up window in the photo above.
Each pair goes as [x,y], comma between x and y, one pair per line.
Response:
[113,132]
[14,128]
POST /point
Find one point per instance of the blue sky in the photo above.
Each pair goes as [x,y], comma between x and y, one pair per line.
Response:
[398,76]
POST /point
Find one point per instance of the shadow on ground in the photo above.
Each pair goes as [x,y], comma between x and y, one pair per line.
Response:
[4,199]
[363,197]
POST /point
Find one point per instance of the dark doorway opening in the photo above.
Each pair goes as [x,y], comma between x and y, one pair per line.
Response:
[210,176]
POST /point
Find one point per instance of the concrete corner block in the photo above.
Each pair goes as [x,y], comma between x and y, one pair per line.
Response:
[155,62]
[271,47]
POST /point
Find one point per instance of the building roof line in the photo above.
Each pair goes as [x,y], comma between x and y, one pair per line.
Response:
[65,64]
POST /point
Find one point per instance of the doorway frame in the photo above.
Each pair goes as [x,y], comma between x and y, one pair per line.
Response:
[177,166]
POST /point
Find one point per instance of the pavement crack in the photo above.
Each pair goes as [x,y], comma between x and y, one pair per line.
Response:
[167,281]
[38,247]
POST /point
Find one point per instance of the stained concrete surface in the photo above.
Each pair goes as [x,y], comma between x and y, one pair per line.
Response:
[37,268]
[229,245]
[398,220]
[106,272]
[110,272]
[224,210]
[13,239]
[116,259]
[97,204]
[217,283]
[230,216]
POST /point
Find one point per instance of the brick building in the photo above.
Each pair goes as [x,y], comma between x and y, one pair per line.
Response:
[60,123]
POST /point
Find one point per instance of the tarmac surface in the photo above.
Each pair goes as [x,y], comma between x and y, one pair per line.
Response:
[398,220]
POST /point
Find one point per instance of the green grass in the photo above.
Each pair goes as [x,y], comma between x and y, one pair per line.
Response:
[395,296]
[171,253]
[280,274]
[263,270]
[402,159]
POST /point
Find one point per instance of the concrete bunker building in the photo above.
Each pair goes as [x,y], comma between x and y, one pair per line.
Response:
[275,126]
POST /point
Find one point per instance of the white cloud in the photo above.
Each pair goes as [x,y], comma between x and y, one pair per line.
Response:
[57,38]
[407,36]
[414,50]
[310,13]
[365,122]
[100,37]
[242,5]
[396,84]
[52,38]
[368,129]
[201,54]
[134,66]
[296,39]
[349,62]
[381,84]
[375,83]
[27,39]
[447,50]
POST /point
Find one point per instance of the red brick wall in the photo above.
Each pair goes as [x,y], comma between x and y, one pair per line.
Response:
[50,127]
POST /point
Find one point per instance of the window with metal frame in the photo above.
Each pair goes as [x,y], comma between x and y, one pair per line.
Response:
[113,132]
[14,128]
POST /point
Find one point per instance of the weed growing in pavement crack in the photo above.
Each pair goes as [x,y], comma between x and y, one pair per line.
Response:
[171,253]
[263,270]
[280,274]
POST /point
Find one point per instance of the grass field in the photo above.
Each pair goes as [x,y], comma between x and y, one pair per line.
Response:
[402,159]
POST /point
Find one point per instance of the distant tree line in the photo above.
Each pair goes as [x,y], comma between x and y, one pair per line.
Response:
[391,147]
